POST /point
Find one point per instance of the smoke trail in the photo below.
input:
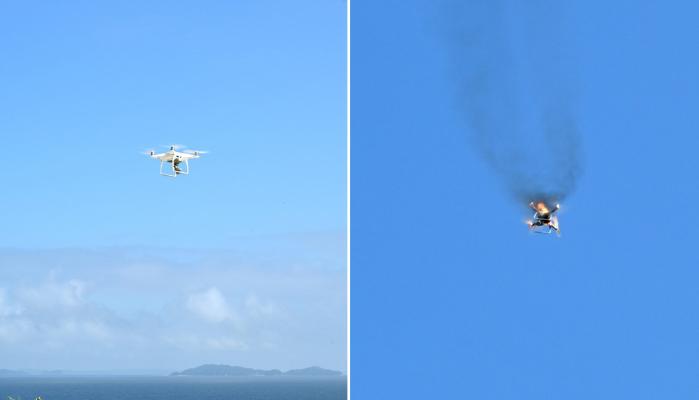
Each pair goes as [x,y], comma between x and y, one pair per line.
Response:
[513,79]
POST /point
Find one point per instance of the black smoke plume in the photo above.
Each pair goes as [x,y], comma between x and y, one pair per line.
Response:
[514,79]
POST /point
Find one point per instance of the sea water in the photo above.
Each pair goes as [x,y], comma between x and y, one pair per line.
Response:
[173,388]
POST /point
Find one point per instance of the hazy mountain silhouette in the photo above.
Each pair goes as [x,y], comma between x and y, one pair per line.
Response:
[228,370]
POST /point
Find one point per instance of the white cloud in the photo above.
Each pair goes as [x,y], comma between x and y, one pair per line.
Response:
[210,305]
[116,310]
[51,294]
[51,313]
[6,309]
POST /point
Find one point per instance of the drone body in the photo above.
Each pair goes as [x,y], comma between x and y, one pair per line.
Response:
[175,158]
[544,218]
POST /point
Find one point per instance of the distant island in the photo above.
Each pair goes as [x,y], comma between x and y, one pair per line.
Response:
[228,370]
[202,370]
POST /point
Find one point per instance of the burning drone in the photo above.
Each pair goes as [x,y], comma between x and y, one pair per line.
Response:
[544,221]
[175,158]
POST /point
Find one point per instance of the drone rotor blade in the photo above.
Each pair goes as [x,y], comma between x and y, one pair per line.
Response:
[176,147]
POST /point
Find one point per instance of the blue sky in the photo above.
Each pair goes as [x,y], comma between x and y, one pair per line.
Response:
[448,288]
[86,86]
[98,248]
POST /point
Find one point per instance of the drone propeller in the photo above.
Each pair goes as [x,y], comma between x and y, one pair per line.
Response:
[174,146]
[195,152]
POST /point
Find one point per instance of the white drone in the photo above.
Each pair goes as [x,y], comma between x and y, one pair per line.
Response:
[175,158]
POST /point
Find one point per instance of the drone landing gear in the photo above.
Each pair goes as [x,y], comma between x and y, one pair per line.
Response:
[544,229]
[174,168]
[542,232]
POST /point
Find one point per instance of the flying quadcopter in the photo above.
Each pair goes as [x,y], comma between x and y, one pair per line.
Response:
[544,220]
[175,158]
